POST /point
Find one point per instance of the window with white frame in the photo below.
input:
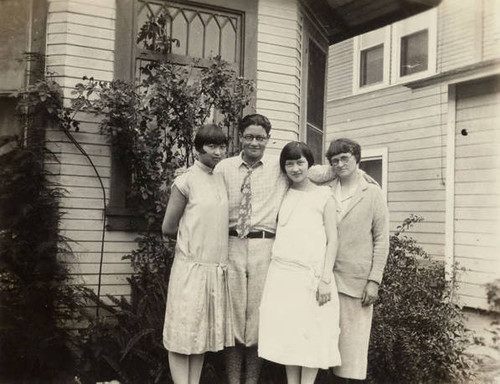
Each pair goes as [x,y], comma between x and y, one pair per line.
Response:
[374,162]
[414,43]
[371,64]
[401,52]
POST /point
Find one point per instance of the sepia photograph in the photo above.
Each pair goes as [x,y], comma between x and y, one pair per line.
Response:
[250,192]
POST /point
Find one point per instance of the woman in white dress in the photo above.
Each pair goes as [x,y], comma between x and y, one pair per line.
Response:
[198,316]
[299,310]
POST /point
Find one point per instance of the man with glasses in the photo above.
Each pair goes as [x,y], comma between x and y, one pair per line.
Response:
[256,187]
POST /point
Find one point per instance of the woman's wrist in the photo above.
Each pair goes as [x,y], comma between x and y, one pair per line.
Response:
[323,280]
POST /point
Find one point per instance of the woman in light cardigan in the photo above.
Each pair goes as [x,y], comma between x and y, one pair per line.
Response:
[363,235]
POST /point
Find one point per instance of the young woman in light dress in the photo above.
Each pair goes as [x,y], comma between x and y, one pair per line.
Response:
[198,316]
[299,310]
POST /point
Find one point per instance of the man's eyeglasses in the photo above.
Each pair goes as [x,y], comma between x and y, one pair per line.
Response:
[260,139]
[342,159]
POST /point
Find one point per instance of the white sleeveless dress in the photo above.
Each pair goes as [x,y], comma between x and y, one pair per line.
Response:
[293,328]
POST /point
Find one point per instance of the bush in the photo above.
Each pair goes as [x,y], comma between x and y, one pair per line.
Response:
[418,333]
[127,343]
[36,296]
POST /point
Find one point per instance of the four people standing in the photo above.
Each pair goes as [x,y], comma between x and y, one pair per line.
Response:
[304,251]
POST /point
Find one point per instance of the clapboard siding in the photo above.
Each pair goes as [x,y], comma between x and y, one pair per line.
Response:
[491,30]
[279,68]
[466,251]
[477,193]
[80,42]
[367,101]
[458,33]
[340,62]
[77,29]
[81,30]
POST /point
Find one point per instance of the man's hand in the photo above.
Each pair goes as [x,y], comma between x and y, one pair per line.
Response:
[370,294]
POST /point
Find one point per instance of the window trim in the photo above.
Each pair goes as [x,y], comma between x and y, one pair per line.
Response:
[391,36]
[374,38]
[423,21]
[376,154]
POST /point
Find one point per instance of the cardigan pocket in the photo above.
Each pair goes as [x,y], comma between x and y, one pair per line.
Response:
[357,268]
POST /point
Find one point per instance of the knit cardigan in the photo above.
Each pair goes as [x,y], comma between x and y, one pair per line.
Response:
[363,240]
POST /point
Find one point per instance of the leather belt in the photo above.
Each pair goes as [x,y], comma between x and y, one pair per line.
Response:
[254,235]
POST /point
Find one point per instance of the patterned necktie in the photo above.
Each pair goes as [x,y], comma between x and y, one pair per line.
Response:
[245,212]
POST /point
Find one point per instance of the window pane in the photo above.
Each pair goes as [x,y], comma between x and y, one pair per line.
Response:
[195,43]
[372,65]
[180,32]
[373,167]
[211,43]
[228,48]
[316,85]
[314,140]
[414,53]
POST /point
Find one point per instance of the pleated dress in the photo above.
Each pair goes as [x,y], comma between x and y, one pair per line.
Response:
[198,315]
[293,328]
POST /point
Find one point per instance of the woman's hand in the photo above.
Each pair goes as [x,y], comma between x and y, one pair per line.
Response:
[370,293]
[324,292]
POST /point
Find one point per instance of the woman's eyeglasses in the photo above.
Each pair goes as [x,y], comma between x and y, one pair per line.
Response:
[342,159]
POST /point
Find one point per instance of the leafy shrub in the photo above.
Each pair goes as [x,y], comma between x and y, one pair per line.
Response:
[36,296]
[127,344]
[418,333]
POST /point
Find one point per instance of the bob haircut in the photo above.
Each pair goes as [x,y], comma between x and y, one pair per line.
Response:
[294,151]
[254,119]
[343,146]
[209,134]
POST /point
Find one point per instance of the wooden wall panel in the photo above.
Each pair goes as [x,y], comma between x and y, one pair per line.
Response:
[491,29]
[477,192]
[458,33]
[279,68]
[340,78]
